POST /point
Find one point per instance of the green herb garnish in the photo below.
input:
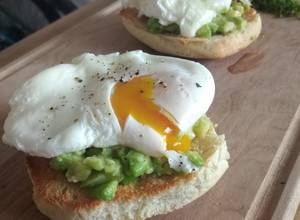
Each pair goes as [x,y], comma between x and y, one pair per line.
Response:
[281,8]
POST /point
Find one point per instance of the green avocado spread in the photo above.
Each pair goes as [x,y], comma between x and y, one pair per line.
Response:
[101,170]
[229,20]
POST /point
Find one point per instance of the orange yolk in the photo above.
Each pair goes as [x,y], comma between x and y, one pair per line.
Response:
[135,98]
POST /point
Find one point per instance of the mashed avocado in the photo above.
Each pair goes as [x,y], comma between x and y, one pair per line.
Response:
[226,22]
[101,170]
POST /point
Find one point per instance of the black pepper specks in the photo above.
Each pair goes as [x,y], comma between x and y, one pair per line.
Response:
[198,85]
[49,138]
[91,95]
[140,135]
[163,84]
[77,79]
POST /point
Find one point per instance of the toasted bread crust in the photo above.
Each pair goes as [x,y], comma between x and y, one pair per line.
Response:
[47,181]
[153,195]
[216,47]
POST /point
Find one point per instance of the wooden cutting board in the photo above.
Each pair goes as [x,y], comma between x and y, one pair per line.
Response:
[257,95]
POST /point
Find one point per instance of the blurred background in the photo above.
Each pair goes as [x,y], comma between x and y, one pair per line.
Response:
[20,18]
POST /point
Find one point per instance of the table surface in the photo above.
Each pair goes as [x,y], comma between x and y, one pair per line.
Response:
[254,106]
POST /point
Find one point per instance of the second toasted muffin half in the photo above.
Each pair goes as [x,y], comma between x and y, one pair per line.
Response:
[218,46]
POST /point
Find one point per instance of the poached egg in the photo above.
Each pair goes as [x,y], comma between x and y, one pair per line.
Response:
[190,15]
[146,102]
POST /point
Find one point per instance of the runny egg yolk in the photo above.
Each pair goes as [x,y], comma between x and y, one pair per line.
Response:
[135,98]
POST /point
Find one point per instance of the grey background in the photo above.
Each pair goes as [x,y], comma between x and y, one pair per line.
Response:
[27,12]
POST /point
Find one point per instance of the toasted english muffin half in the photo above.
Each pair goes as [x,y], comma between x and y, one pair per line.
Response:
[217,46]
[152,195]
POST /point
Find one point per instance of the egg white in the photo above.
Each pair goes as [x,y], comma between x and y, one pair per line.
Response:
[68,107]
[189,15]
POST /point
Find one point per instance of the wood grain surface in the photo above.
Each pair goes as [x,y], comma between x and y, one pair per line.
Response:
[257,95]
[297,216]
